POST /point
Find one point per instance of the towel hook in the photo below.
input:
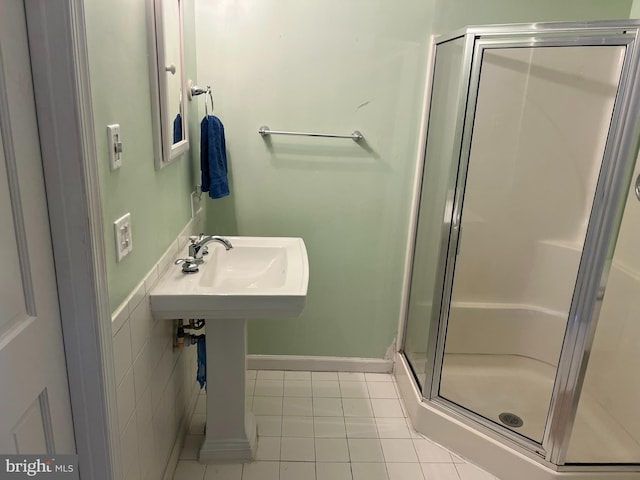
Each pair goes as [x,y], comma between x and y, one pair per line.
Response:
[205,101]
[194,90]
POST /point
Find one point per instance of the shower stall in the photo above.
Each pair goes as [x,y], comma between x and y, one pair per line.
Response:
[521,345]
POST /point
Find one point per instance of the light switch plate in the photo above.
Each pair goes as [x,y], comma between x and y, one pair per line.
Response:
[123,236]
[114,143]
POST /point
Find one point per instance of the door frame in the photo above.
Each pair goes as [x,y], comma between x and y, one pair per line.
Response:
[60,67]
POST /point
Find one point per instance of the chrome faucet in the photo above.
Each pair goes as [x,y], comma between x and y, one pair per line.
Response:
[198,245]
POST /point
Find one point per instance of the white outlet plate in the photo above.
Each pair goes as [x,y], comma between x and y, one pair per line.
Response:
[114,143]
[123,236]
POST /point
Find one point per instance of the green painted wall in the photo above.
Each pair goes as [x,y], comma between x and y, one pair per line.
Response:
[450,15]
[350,204]
[158,200]
[635,9]
[330,66]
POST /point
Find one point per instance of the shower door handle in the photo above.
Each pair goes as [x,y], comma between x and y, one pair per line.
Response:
[638,187]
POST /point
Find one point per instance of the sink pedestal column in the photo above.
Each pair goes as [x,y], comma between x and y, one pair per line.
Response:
[231,427]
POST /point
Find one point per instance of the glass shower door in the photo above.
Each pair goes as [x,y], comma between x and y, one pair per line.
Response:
[440,159]
[523,203]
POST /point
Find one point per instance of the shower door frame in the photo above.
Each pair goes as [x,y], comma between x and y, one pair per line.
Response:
[613,181]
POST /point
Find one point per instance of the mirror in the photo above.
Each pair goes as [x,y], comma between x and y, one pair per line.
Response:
[168,80]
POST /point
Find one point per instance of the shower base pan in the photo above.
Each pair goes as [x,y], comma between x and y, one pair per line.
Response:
[479,379]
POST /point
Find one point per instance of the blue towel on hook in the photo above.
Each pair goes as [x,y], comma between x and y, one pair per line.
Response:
[213,157]
[201,374]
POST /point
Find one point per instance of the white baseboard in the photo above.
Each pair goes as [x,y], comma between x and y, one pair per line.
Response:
[319,364]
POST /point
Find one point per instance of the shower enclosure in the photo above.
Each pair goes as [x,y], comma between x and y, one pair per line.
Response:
[523,312]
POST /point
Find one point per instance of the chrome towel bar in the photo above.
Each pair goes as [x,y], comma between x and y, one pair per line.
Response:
[356,136]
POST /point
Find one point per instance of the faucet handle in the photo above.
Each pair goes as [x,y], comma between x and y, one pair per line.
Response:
[195,239]
[189,264]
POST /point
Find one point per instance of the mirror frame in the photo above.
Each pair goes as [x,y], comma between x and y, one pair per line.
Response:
[165,151]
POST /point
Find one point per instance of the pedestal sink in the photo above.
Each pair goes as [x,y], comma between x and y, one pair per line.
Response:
[260,277]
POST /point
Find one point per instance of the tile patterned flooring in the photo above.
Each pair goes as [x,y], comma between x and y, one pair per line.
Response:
[328,426]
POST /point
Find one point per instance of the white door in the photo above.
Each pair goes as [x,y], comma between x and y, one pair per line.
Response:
[35,413]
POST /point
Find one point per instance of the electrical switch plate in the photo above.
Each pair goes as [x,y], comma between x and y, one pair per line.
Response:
[114,142]
[123,236]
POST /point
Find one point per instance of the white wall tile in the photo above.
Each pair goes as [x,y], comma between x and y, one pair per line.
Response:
[122,352]
[126,399]
[160,378]
[150,279]
[119,317]
[133,473]
[136,296]
[129,444]
[161,339]
[146,449]
[142,370]
[141,323]
[143,411]
[191,447]
[198,423]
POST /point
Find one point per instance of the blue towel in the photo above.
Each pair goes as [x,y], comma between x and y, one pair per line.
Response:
[201,375]
[177,129]
[213,157]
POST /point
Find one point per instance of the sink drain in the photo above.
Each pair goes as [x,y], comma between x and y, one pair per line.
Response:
[511,419]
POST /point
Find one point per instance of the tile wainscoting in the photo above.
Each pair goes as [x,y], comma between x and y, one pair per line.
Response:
[156,387]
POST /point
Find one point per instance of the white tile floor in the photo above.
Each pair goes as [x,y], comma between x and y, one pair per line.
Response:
[328,426]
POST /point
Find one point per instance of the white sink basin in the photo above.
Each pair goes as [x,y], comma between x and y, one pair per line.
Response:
[260,277]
